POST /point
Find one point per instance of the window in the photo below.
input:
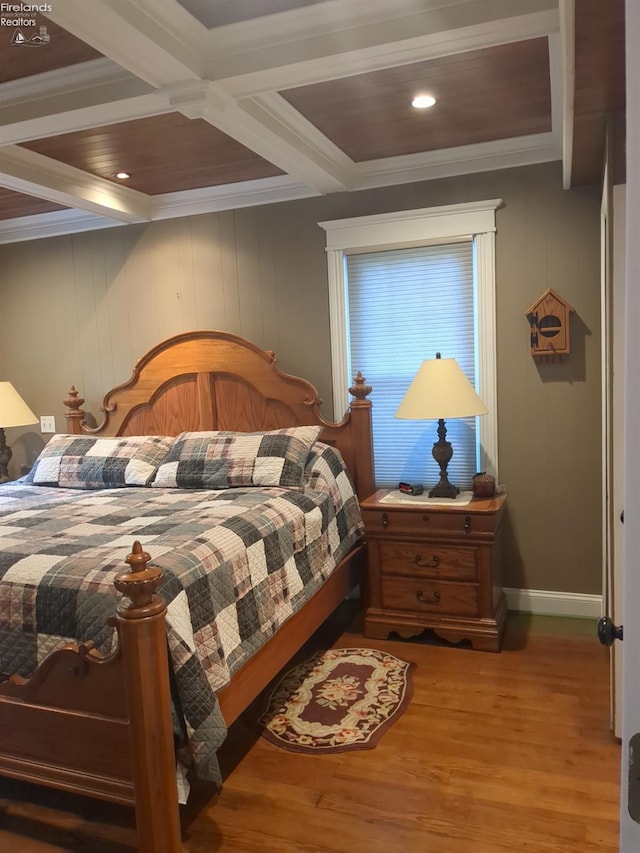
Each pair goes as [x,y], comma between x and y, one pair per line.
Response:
[403,286]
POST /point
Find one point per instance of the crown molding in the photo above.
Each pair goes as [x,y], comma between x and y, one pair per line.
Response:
[57,223]
[229,197]
[165,206]
[410,168]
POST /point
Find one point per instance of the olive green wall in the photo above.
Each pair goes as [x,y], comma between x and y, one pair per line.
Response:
[81,309]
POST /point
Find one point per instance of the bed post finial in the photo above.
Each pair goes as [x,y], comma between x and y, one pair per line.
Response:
[138,558]
[140,584]
[74,417]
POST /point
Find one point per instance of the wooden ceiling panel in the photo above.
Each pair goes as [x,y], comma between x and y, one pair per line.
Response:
[599,83]
[24,60]
[481,95]
[162,154]
[14,204]
[217,13]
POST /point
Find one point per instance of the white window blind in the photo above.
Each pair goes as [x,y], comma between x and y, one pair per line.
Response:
[405,305]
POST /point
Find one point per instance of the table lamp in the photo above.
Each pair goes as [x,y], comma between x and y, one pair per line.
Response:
[13,412]
[440,390]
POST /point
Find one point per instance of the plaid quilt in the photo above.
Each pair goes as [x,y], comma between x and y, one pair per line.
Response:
[237,564]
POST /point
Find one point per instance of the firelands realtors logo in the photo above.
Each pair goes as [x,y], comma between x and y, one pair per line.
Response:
[21,17]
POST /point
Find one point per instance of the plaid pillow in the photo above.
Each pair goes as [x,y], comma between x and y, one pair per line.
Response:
[85,462]
[224,460]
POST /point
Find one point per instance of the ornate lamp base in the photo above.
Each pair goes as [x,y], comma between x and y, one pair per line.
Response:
[442,453]
[444,489]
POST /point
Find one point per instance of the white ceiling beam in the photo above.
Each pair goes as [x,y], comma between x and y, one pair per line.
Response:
[302,149]
[136,37]
[269,132]
[568,60]
[81,75]
[557,94]
[363,22]
[462,160]
[253,65]
[28,172]
[35,122]
[81,96]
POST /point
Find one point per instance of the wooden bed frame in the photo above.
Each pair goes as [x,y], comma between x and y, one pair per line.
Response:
[102,726]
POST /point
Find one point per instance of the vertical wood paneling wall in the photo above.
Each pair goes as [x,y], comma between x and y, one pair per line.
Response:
[81,309]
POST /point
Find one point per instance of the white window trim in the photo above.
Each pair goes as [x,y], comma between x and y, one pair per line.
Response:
[473,221]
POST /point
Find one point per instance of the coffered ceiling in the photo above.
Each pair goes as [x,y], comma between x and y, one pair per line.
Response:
[215,104]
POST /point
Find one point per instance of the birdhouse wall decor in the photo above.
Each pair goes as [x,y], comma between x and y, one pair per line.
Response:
[549,322]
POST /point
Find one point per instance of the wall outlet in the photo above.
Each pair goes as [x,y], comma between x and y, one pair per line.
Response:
[47,423]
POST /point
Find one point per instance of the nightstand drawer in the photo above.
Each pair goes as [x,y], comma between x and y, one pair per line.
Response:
[428,560]
[425,596]
[424,523]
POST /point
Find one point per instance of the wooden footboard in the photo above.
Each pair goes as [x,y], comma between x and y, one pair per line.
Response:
[101,726]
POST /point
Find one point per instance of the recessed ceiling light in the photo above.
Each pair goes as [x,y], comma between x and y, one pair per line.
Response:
[122,176]
[423,102]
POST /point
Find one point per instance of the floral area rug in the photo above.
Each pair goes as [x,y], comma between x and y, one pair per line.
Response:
[338,700]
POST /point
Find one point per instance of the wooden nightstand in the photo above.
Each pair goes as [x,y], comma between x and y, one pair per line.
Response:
[435,567]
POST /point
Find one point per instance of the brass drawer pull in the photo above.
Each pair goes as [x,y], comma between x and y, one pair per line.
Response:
[432,599]
[433,563]
[467,523]
[385,519]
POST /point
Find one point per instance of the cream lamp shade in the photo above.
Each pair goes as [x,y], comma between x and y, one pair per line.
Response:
[13,409]
[13,412]
[441,390]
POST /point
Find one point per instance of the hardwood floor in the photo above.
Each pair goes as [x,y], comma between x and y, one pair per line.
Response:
[496,753]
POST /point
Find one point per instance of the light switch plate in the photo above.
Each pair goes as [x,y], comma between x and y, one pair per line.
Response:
[47,423]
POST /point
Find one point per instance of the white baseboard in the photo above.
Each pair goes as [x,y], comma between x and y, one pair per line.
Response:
[550,603]
[543,602]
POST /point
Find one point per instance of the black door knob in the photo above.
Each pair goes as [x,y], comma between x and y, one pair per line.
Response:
[608,632]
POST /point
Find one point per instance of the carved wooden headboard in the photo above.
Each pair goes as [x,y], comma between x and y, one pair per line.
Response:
[209,380]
